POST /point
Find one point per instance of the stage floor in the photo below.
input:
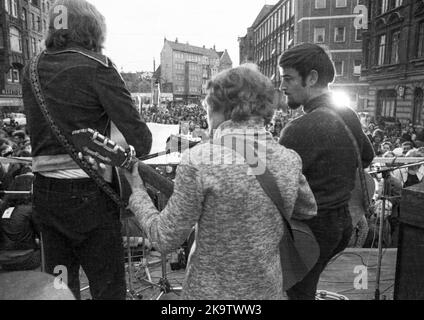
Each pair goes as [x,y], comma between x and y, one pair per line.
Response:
[339,277]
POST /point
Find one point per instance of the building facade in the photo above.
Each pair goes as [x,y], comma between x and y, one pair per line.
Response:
[186,69]
[325,22]
[394,60]
[247,43]
[22,27]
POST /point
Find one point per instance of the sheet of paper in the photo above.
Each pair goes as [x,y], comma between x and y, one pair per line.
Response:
[8,213]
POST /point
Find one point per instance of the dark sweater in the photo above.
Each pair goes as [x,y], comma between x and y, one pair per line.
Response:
[329,158]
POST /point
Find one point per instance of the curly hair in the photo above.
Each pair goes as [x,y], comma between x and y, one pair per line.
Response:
[85,27]
[242,93]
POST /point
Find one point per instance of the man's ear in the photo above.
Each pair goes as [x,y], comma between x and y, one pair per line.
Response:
[313,78]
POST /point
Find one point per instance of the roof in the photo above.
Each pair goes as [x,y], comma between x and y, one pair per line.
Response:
[158,72]
[264,12]
[192,49]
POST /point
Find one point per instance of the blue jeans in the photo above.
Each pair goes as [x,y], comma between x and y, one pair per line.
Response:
[80,227]
[333,230]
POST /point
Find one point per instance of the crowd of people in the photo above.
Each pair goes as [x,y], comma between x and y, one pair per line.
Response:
[19,245]
[14,142]
[395,139]
[175,114]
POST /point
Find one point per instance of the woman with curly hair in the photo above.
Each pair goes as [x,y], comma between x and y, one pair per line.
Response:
[238,228]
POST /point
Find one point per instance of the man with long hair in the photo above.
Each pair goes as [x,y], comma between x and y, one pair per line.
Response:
[80,224]
[328,154]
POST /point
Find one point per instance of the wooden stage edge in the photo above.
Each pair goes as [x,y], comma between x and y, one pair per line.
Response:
[352,274]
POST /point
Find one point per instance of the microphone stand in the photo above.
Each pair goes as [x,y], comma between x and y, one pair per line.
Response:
[385,196]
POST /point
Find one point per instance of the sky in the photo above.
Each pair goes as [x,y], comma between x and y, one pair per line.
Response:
[137,28]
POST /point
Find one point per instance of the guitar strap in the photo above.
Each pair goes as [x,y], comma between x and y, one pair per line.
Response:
[364,186]
[87,167]
[270,187]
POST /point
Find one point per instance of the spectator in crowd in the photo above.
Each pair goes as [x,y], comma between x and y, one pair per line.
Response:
[19,250]
[377,139]
[407,146]
[386,147]
[413,175]
[419,141]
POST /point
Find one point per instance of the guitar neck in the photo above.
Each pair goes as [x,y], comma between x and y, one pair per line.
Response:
[153,178]
[152,156]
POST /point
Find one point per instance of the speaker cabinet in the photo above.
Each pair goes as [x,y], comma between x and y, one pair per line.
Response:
[409,283]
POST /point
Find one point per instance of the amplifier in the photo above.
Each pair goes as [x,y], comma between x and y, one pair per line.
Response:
[409,283]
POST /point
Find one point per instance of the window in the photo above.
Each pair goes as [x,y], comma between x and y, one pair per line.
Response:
[339,34]
[384,6]
[27,47]
[7,5]
[39,24]
[418,105]
[381,50]
[13,76]
[358,34]
[339,65]
[319,35]
[394,57]
[24,17]
[1,38]
[33,22]
[15,8]
[10,76]
[341,3]
[398,3]
[386,103]
[420,47]
[287,5]
[320,4]
[357,67]
[33,46]
[15,40]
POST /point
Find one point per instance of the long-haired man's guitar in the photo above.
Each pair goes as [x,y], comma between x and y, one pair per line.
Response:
[104,150]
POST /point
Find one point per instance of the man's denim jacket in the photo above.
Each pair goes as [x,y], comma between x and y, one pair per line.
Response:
[83,90]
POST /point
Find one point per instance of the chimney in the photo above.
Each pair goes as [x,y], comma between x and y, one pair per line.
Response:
[204,46]
[164,39]
[214,48]
[176,40]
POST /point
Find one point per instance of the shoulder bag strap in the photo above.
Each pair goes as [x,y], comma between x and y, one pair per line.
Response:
[364,187]
[38,94]
[270,187]
[267,182]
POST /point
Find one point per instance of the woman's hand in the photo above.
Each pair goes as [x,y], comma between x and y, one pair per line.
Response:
[134,179]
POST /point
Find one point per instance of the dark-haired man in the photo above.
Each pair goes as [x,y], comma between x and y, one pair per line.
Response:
[328,154]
